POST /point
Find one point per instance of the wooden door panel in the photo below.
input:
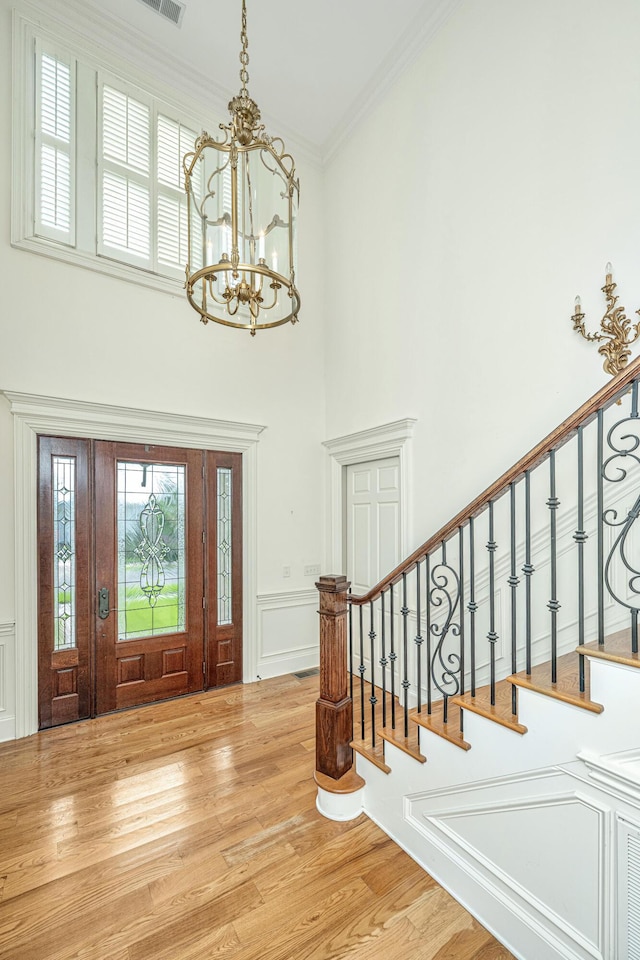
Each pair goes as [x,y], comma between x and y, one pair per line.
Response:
[134,668]
[64,609]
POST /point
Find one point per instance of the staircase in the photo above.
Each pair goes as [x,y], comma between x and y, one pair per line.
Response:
[488,691]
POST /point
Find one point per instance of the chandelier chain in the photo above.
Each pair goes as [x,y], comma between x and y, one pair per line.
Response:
[244,55]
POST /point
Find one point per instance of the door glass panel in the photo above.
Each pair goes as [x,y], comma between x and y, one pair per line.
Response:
[64,547]
[151,549]
[223,545]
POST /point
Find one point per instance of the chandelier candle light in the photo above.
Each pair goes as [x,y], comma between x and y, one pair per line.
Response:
[242,200]
[617,332]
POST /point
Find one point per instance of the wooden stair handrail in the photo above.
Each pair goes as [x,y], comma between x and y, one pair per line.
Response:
[582,416]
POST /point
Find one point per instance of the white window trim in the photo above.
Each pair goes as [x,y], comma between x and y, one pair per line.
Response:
[385,440]
[34,415]
[26,33]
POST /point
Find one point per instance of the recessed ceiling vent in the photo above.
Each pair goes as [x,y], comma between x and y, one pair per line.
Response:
[170,9]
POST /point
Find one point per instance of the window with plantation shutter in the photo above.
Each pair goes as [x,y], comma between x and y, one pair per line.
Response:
[173,140]
[125,181]
[55,148]
[97,163]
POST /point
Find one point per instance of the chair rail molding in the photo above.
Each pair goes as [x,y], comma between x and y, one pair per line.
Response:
[386,440]
[34,415]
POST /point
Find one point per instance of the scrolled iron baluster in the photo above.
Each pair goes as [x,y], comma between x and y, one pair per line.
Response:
[461,581]
[600,543]
[445,670]
[624,446]
[428,629]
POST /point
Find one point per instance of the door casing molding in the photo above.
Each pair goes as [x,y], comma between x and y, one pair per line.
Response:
[33,415]
[386,440]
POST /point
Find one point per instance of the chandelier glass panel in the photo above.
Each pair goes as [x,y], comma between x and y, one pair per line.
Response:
[242,200]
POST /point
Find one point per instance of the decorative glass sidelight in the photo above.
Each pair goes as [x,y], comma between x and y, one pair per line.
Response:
[223,546]
[64,549]
[151,549]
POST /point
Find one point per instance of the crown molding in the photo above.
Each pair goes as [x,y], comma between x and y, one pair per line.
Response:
[413,41]
[136,51]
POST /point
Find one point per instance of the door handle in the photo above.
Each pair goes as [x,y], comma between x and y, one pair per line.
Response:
[103,603]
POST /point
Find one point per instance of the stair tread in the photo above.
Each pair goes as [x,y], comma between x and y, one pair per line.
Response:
[374,754]
[500,712]
[406,744]
[434,721]
[616,648]
[566,687]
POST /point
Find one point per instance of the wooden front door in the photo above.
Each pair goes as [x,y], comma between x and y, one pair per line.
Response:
[140,574]
[149,532]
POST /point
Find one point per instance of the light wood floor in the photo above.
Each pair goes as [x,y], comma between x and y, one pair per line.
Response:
[188,831]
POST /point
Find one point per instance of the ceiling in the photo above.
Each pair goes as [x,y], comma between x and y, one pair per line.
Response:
[314,68]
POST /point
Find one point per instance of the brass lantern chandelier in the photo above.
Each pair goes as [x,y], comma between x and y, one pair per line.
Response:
[242,201]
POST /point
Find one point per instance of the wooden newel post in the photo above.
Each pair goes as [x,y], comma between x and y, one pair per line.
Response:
[334,707]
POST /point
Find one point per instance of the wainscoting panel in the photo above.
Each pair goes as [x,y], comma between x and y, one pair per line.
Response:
[7,681]
[538,843]
[288,632]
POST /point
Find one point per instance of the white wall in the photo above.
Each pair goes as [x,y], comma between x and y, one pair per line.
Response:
[489,187]
[69,332]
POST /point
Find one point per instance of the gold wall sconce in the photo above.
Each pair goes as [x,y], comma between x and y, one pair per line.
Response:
[617,333]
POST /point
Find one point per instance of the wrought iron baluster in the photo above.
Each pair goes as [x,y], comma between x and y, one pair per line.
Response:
[461,590]
[472,605]
[393,656]
[492,636]
[553,605]
[528,568]
[372,698]
[361,670]
[623,439]
[513,582]
[405,653]
[600,527]
[445,705]
[634,611]
[418,640]
[580,536]
[444,593]
[428,628]
[383,661]
[350,621]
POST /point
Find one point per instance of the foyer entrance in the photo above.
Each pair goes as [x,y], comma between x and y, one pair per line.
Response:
[140,574]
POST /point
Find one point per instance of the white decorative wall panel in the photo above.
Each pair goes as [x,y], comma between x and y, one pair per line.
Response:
[537,843]
[7,682]
[288,632]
